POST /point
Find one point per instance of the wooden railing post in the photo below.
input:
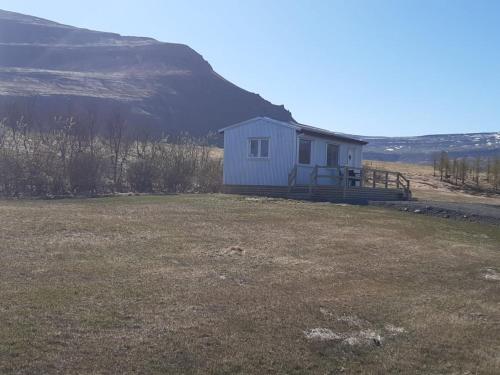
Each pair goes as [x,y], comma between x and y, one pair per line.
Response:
[311,182]
[292,178]
[386,179]
[313,178]
[398,182]
[374,178]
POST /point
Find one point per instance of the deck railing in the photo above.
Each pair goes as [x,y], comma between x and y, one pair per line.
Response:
[342,176]
[292,178]
[387,179]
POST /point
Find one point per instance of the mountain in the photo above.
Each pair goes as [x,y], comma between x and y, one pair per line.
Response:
[421,149]
[57,69]
[50,69]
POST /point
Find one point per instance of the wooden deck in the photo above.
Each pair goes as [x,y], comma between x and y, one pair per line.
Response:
[323,193]
[352,185]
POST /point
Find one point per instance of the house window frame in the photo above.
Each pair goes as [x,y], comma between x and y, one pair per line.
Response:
[311,141]
[259,148]
[338,154]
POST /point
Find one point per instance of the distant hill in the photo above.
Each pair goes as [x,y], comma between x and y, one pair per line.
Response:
[421,149]
[59,69]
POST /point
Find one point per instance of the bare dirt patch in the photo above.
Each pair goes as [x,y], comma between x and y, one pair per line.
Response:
[233,250]
[353,331]
[491,274]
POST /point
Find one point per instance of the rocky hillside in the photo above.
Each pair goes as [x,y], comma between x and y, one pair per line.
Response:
[57,69]
[421,149]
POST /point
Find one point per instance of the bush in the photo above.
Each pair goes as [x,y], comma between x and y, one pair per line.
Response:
[209,176]
[85,173]
[142,175]
[177,164]
[72,156]
[11,174]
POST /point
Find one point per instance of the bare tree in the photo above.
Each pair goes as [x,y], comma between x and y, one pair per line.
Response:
[444,165]
[477,169]
[496,172]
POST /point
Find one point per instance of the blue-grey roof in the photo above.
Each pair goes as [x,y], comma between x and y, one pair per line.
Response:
[305,129]
[308,129]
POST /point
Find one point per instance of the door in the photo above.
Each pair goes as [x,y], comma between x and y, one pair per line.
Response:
[351,163]
[332,155]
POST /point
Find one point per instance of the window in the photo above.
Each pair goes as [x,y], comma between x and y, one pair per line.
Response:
[305,151]
[258,148]
[254,148]
[264,148]
[332,155]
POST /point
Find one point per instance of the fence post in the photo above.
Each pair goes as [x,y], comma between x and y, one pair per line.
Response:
[311,178]
[374,178]
[386,179]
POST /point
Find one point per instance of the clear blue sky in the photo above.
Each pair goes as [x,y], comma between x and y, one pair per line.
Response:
[365,67]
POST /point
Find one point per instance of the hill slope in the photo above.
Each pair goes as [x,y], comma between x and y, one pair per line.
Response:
[168,86]
[421,149]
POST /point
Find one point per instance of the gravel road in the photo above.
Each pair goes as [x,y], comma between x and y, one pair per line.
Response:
[474,212]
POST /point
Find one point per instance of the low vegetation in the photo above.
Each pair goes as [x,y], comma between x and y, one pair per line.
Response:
[72,156]
[228,284]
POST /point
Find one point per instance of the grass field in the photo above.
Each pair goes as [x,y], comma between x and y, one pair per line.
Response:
[226,284]
[425,186]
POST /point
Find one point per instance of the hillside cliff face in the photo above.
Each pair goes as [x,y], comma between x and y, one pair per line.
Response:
[60,69]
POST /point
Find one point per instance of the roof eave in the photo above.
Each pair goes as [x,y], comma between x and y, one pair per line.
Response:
[332,136]
[263,118]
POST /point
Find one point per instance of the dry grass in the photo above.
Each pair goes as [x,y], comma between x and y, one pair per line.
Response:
[224,284]
[425,186]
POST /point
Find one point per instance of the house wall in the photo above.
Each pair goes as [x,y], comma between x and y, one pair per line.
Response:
[318,157]
[239,169]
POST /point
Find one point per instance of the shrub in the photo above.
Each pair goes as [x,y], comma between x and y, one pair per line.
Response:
[142,175]
[85,173]
[11,174]
[209,176]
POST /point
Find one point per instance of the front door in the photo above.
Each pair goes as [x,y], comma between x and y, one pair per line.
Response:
[351,163]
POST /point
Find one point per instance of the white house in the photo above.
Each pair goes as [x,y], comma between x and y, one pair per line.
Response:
[267,152]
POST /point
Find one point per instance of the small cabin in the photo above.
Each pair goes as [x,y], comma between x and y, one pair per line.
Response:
[264,152]
[275,158]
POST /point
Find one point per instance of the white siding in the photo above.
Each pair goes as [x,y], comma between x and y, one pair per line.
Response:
[239,169]
[318,157]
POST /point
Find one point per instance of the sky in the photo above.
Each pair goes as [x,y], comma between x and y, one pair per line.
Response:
[372,67]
